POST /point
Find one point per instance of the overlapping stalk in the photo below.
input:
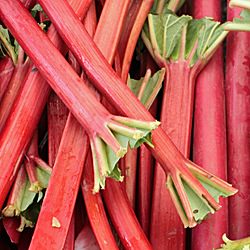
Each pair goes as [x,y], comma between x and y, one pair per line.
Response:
[27,113]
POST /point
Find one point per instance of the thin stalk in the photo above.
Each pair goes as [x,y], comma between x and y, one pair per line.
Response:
[57,117]
[107,82]
[27,114]
[6,71]
[111,39]
[134,35]
[127,27]
[95,209]
[30,164]
[19,75]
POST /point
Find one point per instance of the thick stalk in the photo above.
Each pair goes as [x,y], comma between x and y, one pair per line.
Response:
[6,71]
[209,136]
[238,128]
[68,174]
[166,230]
[26,114]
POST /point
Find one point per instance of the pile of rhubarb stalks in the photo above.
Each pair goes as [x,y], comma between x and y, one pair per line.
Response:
[124,124]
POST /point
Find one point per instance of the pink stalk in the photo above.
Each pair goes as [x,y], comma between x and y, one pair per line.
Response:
[19,75]
[70,239]
[27,114]
[86,239]
[130,232]
[68,174]
[30,164]
[209,145]
[145,175]
[134,35]
[6,71]
[57,116]
[238,128]
[166,229]
[95,209]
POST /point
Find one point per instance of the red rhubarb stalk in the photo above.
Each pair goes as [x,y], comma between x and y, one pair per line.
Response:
[96,211]
[134,34]
[115,198]
[145,175]
[6,71]
[16,82]
[57,116]
[238,127]
[27,113]
[86,239]
[68,175]
[209,136]
[107,81]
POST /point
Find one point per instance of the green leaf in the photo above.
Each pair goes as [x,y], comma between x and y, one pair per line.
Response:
[242,244]
[43,177]
[6,46]
[37,8]
[166,34]
[27,198]
[151,89]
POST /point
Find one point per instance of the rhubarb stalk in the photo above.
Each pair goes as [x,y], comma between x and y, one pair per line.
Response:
[6,71]
[209,135]
[238,126]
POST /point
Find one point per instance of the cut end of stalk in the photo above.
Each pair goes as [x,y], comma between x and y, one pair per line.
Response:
[121,152]
[10,211]
[24,223]
[196,194]
[35,187]
[241,244]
